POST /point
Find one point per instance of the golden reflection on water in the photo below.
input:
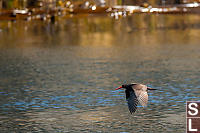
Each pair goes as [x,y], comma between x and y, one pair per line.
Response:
[143,29]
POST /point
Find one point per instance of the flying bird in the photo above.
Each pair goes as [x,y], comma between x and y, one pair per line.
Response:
[135,93]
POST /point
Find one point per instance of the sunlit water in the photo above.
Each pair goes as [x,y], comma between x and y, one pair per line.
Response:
[60,77]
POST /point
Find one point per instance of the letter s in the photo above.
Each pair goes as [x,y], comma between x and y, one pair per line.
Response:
[193,108]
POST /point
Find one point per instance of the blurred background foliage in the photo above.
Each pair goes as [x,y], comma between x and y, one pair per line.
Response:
[20,4]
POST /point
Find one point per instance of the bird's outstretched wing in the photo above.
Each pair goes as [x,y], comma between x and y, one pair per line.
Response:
[143,98]
[131,100]
[141,94]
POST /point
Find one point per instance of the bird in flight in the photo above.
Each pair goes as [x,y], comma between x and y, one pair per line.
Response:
[135,93]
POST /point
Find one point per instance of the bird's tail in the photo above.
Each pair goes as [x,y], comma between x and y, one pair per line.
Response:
[148,88]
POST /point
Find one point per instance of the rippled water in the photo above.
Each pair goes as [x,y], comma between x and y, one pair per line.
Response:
[60,77]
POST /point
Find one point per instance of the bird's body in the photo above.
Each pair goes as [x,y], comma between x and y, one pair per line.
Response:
[136,93]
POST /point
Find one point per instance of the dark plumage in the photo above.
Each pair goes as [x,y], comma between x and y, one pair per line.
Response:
[136,93]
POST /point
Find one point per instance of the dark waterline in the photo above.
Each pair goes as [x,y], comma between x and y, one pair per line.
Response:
[60,77]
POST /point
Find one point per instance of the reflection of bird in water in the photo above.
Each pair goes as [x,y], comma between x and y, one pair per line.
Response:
[135,93]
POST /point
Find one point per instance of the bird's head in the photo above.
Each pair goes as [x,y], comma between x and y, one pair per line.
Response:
[125,86]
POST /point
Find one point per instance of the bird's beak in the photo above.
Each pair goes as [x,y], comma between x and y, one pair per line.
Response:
[151,88]
[118,88]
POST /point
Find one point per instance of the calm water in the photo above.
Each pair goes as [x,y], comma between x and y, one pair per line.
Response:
[60,77]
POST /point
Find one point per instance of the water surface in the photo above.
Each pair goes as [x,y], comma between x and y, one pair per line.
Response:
[60,77]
